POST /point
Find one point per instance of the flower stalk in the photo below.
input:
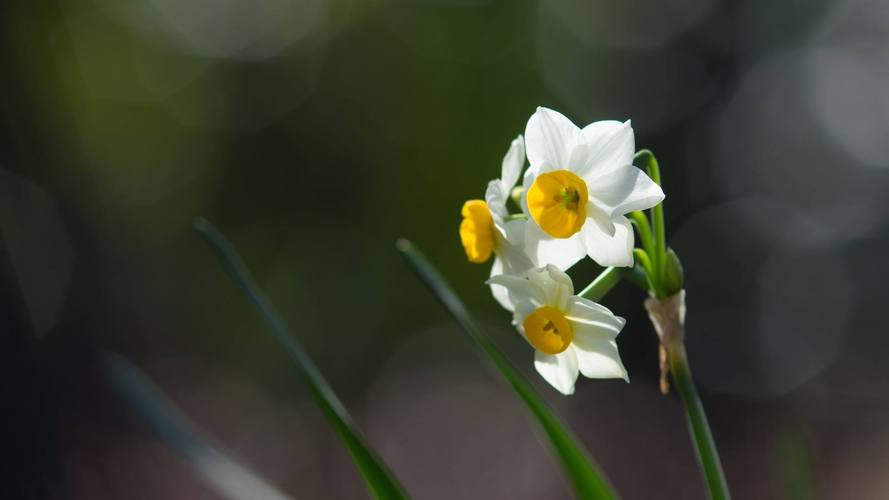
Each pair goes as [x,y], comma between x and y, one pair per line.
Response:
[666,310]
[705,447]
[668,318]
[603,283]
[657,212]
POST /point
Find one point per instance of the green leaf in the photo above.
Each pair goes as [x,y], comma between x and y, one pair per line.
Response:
[583,474]
[380,480]
[223,474]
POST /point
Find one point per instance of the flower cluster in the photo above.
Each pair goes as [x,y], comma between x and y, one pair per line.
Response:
[576,192]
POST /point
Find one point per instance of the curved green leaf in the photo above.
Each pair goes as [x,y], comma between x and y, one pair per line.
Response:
[380,480]
[221,472]
[582,472]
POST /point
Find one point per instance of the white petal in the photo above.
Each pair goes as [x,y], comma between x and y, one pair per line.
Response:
[495,197]
[611,144]
[600,218]
[614,250]
[559,370]
[560,252]
[520,288]
[512,164]
[598,358]
[515,232]
[556,286]
[512,248]
[500,293]
[623,190]
[549,140]
[510,259]
[579,160]
[589,319]
[527,182]
[523,309]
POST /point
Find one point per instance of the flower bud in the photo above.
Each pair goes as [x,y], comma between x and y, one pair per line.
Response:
[516,194]
[674,276]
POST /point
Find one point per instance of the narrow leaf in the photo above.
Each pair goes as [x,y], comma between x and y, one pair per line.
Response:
[380,480]
[227,477]
[583,474]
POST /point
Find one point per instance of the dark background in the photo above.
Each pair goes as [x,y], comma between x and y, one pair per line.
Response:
[316,132]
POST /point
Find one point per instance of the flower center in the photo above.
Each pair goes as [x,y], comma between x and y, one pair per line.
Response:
[548,330]
[557,202]
[477,231]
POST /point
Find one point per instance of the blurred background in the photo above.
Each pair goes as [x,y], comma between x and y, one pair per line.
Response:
[316,132]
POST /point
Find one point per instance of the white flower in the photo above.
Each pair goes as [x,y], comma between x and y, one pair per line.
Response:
[578,187]
[570,334]
[486,227]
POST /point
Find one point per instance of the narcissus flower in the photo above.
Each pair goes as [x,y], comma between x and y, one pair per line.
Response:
[487,229]
[569,334]
[578,188]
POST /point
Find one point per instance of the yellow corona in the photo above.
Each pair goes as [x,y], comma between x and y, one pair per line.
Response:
[557,201]
[548,330]
[477,231]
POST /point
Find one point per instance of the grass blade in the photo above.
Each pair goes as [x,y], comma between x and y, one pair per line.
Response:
[380,480]
[583,474]
[227,477]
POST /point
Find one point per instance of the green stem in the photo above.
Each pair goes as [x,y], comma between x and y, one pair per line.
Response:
[657,215]
[603,283]
[640,222]
[705,447]
[637,276]
[645,261]
[660,240]
[702,438]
